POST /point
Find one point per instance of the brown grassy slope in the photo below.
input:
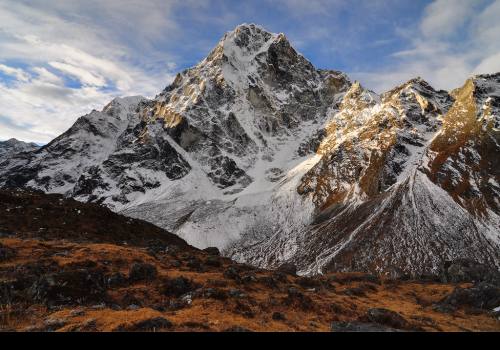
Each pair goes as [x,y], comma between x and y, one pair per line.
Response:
[77,284]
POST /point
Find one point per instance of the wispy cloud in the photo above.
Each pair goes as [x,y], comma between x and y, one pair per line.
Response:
[17,73]
[455,39]
[59,60]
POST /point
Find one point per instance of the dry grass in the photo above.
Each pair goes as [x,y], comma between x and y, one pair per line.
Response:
[412,300]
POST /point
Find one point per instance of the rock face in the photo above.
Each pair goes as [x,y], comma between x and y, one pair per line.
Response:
[256,152]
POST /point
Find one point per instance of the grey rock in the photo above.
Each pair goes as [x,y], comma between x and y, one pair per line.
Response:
[387,317]
[483,296]
[152,324]
[141,272]
[288,268]
[467,270]
[360,327]
[212,251]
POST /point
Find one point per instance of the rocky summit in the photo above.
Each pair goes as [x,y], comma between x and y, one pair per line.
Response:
[273,161]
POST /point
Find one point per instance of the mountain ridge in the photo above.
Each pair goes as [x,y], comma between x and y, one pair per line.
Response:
[259,153]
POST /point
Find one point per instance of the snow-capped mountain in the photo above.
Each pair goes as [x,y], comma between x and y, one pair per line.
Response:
[257,152]
[405,182]
[12,146]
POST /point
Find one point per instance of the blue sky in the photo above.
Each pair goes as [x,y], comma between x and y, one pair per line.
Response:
[61,59]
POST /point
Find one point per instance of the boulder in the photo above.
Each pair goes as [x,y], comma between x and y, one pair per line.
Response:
[360,327]
[6,253]
[213,261]
[215,293]
[141,272]
[116,279]
[309,282]
[296,297]
[69,287]
[355,291]
[466,270]
[236,293]
[177,286]
[232,273]
[194,263]
[278,316]
[483,296]
[268,281]
[151,324]
[288,268]
[156,246]
[212,251]
[237,329]
[387,318]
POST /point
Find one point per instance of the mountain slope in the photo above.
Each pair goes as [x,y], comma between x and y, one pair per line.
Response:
[380,204]
[255,151]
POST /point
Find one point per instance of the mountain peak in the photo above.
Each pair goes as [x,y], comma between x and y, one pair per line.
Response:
[359,97]
[125,102]
[246,40]
[493,76]
[242,44]
[417,84]
[249,30]
[13,145]
[13,142]
[128,100]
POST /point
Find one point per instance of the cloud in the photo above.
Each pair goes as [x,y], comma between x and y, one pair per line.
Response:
[81,74]
[488,65]
[19,74]
[46,76]
[67,58]
[445,17]
[454,40]
[301,8]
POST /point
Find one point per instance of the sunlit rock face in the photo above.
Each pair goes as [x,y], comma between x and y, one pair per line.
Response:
[405,182]
[257,152]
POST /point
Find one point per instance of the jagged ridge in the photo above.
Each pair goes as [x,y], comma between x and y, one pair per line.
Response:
[257,152]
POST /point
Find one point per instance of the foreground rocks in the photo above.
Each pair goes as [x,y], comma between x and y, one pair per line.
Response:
[387,318]
[466,270]
[141,272]
[360,327]
[483,296]
[69,287]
